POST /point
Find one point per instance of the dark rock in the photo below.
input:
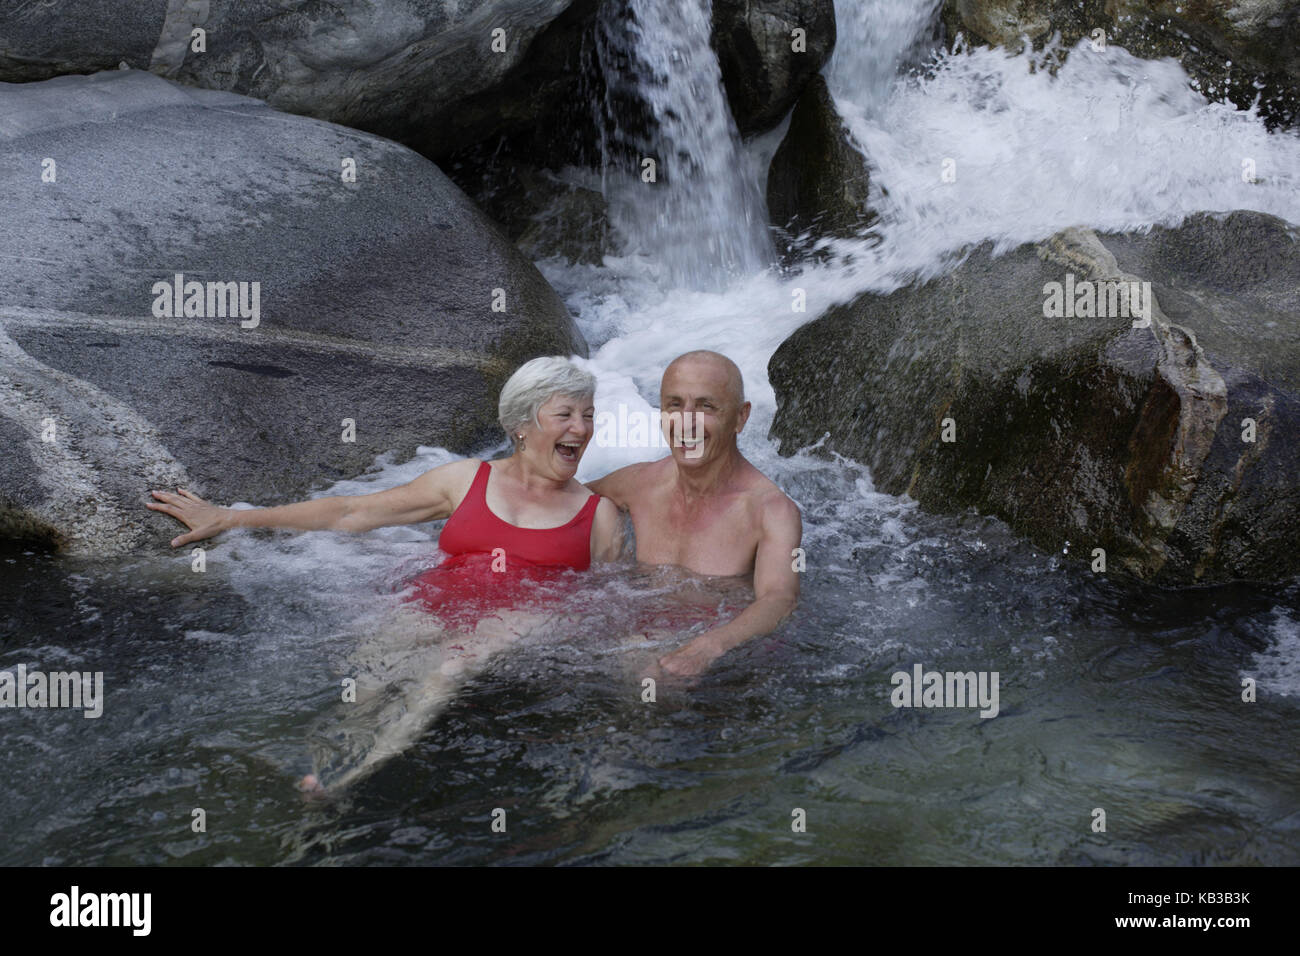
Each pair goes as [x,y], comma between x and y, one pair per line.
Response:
[1082,432]
[376,304]
[573,224]
[543,213]
[817,183]
[541,107]
[421,71]
[762,72]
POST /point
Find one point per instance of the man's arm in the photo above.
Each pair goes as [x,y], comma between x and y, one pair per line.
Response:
[607,532]
[617,485]
[776,592]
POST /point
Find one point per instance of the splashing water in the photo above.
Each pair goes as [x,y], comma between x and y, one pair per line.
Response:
[982,148]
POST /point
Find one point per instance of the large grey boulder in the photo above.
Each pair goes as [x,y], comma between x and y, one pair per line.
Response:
[1175,447]
[377,303]
[1239,51]
[765,66]
[437,74]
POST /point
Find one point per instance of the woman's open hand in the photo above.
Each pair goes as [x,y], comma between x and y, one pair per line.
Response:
[203,520]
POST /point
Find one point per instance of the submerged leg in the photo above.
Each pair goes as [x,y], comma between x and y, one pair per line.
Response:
[406,677]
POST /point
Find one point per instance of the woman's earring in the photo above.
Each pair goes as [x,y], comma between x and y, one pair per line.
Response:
[520,436]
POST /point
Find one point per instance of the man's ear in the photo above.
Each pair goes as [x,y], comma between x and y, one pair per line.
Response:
[742,417]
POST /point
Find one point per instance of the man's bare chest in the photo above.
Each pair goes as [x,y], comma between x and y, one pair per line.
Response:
[720,539]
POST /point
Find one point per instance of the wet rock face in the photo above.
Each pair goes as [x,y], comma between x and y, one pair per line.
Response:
[544,214]
[818,182]
[764,66]
[433,73]
[1171,447]
[441,76]
[1237,51]
[325,275]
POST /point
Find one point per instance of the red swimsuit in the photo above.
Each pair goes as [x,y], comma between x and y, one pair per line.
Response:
[494,564]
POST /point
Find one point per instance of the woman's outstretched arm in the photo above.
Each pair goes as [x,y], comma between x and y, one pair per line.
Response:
[429,497]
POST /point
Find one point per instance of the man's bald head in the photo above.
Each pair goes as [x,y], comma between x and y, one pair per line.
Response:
[719,363]
[703,402]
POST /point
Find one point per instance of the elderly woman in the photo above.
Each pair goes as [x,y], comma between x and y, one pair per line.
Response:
[510,521]
[546,409]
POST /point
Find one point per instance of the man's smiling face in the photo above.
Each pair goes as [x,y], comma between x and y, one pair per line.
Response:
[703,409]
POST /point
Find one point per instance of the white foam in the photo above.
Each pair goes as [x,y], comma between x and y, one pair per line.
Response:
[1276,669]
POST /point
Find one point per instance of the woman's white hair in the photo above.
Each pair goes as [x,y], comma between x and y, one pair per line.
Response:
[533,383]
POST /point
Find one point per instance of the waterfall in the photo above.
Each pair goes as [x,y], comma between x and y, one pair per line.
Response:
[702,220]
[873,39]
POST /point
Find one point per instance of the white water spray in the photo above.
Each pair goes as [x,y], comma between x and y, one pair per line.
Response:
[982,147]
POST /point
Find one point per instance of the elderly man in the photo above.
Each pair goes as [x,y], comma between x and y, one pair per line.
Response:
[707,509]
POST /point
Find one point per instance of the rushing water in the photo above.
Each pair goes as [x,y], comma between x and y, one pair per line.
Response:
[1112,695]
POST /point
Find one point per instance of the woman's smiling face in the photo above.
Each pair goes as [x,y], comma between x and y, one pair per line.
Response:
[556,444]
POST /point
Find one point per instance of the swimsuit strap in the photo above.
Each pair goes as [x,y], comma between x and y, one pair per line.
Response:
[478,488]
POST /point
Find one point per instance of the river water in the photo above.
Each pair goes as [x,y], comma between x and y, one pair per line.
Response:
[1113,696]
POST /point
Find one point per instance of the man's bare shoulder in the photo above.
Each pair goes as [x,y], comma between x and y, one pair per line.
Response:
[764,489]
[626,481]
[772,503]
